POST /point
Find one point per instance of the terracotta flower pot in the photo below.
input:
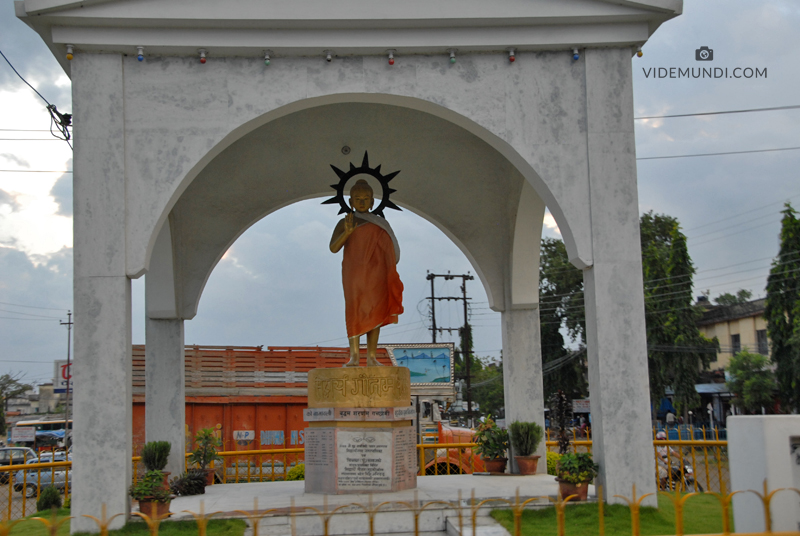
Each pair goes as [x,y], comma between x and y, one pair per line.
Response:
[495,465]
[527,464]
[209,476]
[567,488]
[154,509]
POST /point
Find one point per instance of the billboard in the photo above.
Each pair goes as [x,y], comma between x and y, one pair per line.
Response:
[61,374]
[430,364]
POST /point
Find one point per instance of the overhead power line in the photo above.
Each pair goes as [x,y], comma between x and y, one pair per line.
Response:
[61,122]
[33,306]
[717,154]
[791,107]
[35,171]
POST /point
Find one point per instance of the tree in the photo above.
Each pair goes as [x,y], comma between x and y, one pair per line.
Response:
[11,386]
[561,305]
[743,296]
[677,351]
[782,310]
[751,381]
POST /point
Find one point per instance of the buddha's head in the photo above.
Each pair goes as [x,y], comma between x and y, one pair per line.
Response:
[361,196]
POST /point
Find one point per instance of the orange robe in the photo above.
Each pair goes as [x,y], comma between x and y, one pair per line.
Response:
[373,292]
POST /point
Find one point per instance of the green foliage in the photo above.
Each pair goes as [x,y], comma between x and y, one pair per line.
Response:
[525,437]
[151,486]
[552,462]
[68,503]
[10,387]
[192,482]
[782,310]
[677,351]
[751,381]
[155,455]
[487,386]
[702,514]
[215,527]
[207,446]
[298,472]
[491,440]
[743,296]
[576,468]
[560,419]
[49,498]
[561,298]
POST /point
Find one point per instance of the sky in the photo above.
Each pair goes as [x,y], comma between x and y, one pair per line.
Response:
[278,285]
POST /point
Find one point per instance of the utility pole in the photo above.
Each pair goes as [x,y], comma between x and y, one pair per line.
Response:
[430,277]
[465,331]
[68,323]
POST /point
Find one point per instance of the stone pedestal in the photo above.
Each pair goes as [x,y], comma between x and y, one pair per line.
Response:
[359,436]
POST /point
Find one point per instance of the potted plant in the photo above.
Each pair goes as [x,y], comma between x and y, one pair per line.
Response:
[153,496]
[205,452]
[525,439]
[492,443]
[155,456]
[575,472]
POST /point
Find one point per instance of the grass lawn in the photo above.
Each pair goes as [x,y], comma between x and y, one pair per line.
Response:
[216,527]
[702,515]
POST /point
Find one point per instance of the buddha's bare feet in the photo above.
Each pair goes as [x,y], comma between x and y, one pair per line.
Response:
[353,362]
[372,362]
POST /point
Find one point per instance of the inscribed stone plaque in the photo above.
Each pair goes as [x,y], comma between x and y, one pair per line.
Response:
[364,459]
[359,387]
[405,459]
[320,457]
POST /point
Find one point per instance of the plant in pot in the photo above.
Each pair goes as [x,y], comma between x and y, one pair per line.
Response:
[525,439]
[576,470]
[205,452]
[153,496]
[492,443]
[155,456]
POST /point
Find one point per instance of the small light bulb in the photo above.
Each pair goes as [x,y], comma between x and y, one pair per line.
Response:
[639,52]
[452,56]
[202,52]
[69,52]
[391,57]
[511,56]
[328,56]
[266,59]
[575,55]
[140,53]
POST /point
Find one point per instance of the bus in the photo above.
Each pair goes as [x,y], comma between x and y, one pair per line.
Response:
[40,432]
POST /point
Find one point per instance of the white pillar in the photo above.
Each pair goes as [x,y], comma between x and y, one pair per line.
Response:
[615,322]
[165,402]
[102,295]
[522,373]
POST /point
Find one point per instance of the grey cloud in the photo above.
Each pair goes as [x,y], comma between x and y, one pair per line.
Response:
[62,193]
[15,159]
[8,199]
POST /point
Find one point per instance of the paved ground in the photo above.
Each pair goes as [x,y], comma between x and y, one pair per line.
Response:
[229,498]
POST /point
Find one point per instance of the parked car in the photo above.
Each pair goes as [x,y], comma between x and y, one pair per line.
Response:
[14,456]
[29,480]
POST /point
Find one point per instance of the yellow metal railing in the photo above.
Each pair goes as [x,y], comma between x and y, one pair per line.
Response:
[447,459]
[466,514]
[29,487]
[707,459]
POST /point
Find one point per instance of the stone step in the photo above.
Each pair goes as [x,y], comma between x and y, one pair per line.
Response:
[394,520]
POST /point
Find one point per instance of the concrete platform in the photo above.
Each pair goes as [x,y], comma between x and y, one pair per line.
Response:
[442,511]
